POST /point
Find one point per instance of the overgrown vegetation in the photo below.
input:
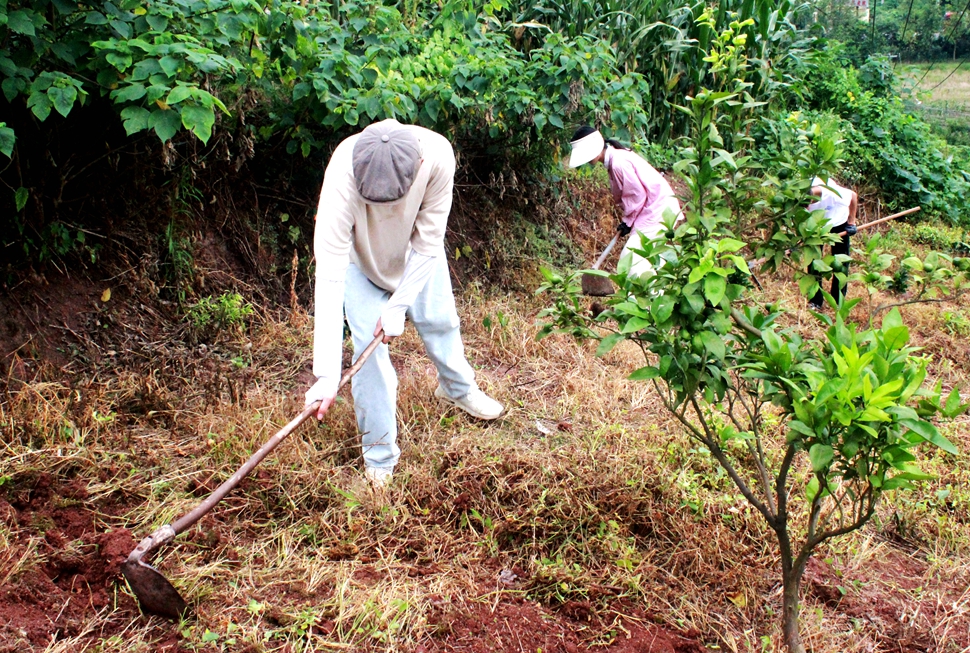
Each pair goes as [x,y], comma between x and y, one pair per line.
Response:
[754,393]
[886,143]
[162,161]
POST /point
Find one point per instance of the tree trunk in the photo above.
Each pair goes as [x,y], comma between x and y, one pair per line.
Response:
[792,582]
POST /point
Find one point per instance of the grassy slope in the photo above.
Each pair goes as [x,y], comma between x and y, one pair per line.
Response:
[586,491]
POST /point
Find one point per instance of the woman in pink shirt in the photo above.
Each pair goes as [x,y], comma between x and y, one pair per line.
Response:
[638,189]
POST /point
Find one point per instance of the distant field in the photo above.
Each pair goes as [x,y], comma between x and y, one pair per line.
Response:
[947,105]
[953,92]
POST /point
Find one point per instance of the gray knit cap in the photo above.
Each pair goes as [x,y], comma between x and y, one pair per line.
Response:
[386,159]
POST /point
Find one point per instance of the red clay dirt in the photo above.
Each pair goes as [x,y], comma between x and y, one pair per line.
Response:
[520,625]
[62,571]
[65,575]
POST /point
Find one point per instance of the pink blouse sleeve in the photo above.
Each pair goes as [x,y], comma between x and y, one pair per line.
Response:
[632,196]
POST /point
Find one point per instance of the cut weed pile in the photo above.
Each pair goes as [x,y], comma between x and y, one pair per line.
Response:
[582,521]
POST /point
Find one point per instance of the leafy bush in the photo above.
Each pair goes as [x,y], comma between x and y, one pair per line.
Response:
[811,432]
[939,237]
[170,65]
[667,42]
[884,143]
[251,76]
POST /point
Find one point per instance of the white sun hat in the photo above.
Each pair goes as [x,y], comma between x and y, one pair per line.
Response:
[586,149]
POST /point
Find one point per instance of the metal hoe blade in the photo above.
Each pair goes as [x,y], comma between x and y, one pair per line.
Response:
[153,590]
[597,286]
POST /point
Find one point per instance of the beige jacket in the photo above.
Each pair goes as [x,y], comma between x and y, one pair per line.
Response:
[378,237]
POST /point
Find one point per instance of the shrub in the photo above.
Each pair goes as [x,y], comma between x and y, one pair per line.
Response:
[811,432]
[227,312]
[885,144]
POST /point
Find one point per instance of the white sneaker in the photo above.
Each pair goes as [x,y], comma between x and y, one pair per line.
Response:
[379,477]
[476,403]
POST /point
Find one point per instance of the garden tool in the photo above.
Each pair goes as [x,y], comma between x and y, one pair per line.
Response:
[595,285]
[860,227]
[155,593]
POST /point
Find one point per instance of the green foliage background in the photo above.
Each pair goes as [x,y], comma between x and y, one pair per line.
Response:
[198,93]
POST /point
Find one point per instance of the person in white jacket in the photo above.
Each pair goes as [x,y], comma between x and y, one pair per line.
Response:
[379,248]
[840,205]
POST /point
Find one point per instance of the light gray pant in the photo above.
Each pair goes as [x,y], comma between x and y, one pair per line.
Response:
[375,385]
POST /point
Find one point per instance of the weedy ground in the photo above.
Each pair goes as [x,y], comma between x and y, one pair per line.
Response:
[583,520]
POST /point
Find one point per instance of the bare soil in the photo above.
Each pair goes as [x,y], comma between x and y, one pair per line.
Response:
[76,568]
[78,580]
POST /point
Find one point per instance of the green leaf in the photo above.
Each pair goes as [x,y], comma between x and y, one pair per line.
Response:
[178,94]
[123,28]
[714,286]
[433,106]
[20,198]
[712,343]
[7,140]
[12,87]
[911,472]
[39,103]
[645,374]
[896,337]
[808,285]
[19,21]
[740,263]
[199,120]
[811,490]
[662,308]
[135,119]
[829,389]
[62,98]
[772,342]
[892,320]
[695,302]
[896,483]
[629,308]
[953,407]
[929,433]
[169,65]
[699,272]
[129,93]
[872,414]
[156,22]
[729,245]
[635,324]
[607,343]
[801,427]
[120,60]
[165,123]
[821,456]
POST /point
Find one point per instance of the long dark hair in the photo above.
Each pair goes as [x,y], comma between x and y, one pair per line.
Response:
[586,130]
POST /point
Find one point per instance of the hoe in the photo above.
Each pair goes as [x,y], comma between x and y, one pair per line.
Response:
[155,593]
[595,285]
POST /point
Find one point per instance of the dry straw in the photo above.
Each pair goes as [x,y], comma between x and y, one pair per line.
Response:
[586,493]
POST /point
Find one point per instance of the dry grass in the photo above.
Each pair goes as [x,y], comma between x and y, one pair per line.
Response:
[586,491]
